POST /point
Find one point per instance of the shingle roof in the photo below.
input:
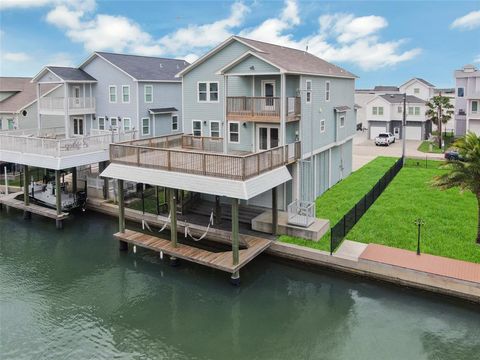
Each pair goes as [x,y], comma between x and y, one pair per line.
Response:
[444,90]
[385,88]
[425,82]
[398,98]
[342,108]
[146,67]
[163,110]
[70,73]
[26,93]
[294,60]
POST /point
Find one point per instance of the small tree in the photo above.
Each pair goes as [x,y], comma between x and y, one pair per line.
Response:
[439,110]
[466,173]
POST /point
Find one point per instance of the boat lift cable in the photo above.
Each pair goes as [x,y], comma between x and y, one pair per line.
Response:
[146,226]
[188,233]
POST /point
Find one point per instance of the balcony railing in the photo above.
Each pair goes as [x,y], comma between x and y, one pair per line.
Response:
[57,104]
[261,108]
[169,153]
[52,142]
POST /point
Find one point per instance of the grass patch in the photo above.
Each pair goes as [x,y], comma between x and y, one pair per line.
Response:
[450,216]
[150,200]
[425,147]
[336,201]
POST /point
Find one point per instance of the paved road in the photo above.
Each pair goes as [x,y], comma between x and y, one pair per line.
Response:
[364,150]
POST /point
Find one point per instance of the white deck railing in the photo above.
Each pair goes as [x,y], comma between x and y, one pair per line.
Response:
[50,103]
[46,142]
[301,213]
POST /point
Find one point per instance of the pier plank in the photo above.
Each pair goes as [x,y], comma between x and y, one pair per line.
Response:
[10,200]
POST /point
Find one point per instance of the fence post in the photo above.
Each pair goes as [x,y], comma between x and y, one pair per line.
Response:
[331,241]
[356,213]
[344,225]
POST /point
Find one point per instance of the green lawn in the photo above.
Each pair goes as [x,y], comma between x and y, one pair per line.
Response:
[336,201]
[425,147]
[450,216]
[150,200]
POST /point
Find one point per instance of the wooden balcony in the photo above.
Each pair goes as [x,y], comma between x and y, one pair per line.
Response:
[262,109]
[49,105]
[200,156]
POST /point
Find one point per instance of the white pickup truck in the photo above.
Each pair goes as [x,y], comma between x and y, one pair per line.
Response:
[384,139]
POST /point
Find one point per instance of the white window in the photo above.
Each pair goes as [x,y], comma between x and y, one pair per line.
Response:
[417,110]
[215,128]
[148,93]
[322,125]
[342,121]
[197,127]
[125,93]
[374,110]
[327,91]
[11,124]
[127,124]
[416,91]
[308,85]
[77,126]
[113,122]
[460,92]
[1,126]
[234,132]
[101,123]
[380,110]
[207,91]
[377,110]
[400,109]
[174,122]
[145,126]
[474,106]
[112,92]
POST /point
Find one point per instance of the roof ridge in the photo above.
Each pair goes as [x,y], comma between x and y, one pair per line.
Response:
[144,56]
[271,44]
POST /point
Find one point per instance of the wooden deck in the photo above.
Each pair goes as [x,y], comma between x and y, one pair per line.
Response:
[10,200]
[217,260]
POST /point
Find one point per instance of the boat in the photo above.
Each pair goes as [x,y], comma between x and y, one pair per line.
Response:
[44,194]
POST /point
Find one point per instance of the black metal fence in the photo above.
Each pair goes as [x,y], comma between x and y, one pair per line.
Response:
[348,221]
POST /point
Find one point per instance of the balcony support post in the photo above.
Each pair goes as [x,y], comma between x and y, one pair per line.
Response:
[235,231]
[74,180]
[283,108]
[39,124]
[225,121]
[274,211]
[66,111]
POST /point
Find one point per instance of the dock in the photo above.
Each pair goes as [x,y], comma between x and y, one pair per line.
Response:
[222,260]
[11,201]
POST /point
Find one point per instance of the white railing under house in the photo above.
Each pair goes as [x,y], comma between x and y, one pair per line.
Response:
[301,213]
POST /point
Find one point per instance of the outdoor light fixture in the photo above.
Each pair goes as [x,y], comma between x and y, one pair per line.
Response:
[244,124]
[119,118]
[94,117]
[204,122]
[419,222]
[106,118]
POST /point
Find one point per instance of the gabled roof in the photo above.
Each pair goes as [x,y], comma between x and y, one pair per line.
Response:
[423,81]
[65,74]
[143,68]
[398,98]
[26,93]
[287,59]
[166,110]
[341,108]
[385,88]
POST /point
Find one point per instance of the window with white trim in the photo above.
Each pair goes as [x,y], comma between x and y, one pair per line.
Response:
[342,121]
[10,124]
[308,87]
[148,93]
[174,122]
[416,91]
[400,109]
[377,110]
[127,124]
[417,110]
[197,127]
[460,92]
[101,123]
[1,126]
[207,91]
[474,106]
[322,125]
[125,94]
[234,132]
[113,122]
[146,126]
[215,128]
[410,110]
[112,93]
[327,90]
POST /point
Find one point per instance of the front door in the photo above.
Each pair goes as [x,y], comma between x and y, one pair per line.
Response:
[267,137]
[268,92]
[76,95]
[396,132]
[77,126]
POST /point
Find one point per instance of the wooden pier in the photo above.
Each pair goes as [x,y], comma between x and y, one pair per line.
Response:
[219,260]
[11,201]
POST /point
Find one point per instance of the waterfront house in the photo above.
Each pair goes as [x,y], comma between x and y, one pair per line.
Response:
[467,104]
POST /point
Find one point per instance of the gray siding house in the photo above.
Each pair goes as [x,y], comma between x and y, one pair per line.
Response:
[258,96]
[467,100]
[115,92]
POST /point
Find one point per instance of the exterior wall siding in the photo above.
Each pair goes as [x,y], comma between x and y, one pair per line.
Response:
[245,67]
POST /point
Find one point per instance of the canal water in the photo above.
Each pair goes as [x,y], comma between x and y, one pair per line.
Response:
[70,294]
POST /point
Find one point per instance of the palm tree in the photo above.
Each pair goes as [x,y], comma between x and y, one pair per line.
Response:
[439,108]
[466,173]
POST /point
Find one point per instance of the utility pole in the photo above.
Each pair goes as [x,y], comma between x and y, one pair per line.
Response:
[404,125]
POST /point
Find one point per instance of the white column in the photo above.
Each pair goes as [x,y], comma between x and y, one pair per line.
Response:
[225,122]
[66,111]
[283,99]
[39,123]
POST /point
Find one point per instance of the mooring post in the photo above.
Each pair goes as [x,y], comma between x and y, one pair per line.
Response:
[26,199]
[58,199]
[123,246]
[173,223]
[74,180]
[274,211]
[218,210]
[235,278]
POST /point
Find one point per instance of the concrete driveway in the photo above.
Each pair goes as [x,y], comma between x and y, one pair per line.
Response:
[364,150]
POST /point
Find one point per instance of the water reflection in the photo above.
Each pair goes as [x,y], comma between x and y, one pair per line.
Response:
[71,294]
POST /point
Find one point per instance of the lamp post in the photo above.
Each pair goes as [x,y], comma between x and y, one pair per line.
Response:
[419,222]
[404,125]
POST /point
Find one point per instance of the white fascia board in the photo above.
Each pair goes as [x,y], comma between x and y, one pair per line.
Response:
[115,66]
[41,72]
[323,75]
[244,56]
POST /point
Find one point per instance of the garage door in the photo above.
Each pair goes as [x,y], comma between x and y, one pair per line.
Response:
[375,130]
[413,133]
[474,126]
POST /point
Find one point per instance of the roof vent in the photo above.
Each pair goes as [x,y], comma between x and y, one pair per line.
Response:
[392,96]
[161,66]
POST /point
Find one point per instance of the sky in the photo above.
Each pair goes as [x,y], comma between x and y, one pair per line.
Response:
[383,42]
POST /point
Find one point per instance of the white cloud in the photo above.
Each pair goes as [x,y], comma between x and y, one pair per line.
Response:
[16,56]
[467,22]
[61,59]
[477,59]
[11,4]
